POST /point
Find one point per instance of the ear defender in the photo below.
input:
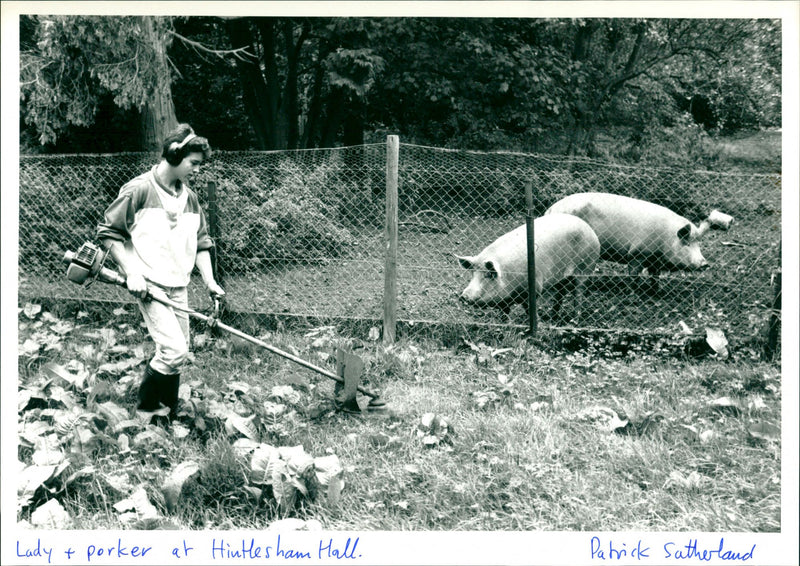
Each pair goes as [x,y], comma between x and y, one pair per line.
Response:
[173,155]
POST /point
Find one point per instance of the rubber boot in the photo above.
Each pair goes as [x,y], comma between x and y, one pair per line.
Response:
[169,394]
[150,390]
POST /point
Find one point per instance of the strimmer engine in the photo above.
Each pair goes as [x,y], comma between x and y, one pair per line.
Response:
[86,265]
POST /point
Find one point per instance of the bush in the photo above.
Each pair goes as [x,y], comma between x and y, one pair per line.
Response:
[683,144]
[298,219]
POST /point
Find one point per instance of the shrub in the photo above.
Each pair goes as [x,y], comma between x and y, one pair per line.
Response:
[297,219]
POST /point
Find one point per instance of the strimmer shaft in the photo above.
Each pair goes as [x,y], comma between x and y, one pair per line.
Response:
[257,342]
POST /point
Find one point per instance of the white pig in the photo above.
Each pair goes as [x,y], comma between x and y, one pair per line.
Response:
[565,247]
[641,234]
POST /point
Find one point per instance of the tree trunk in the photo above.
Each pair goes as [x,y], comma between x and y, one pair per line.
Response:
[276,127]
[291,110]
[353,126]
[158,113]
[335,109]
[254,90]
[312,125]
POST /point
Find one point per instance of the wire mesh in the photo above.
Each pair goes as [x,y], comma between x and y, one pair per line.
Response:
[302,233]
[482,195]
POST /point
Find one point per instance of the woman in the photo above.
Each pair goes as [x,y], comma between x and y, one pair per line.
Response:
[156,232]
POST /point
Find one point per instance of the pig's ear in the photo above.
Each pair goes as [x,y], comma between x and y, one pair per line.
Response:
[685,233]
[466,261]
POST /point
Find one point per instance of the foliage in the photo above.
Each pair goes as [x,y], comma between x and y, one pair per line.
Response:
[206,91]
[289,215]
[515,84]
[743,88]
[74,60]
[81,446]
[315,72]
[66,210]
[545,85]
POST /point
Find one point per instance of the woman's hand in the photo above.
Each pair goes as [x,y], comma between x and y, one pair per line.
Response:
[215,289]
[137,285]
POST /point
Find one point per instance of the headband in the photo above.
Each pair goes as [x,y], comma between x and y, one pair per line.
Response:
[176,146]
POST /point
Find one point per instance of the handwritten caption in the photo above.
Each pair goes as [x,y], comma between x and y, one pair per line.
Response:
[226,550]
[614,550]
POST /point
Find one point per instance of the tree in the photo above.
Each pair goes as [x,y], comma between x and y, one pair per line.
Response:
[305,79]
[72,61]
[611,56]
[549,84]
[481,83]
[207,91]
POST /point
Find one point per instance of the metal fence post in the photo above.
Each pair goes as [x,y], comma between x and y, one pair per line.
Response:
[390,270]
[213,227]
[533,319]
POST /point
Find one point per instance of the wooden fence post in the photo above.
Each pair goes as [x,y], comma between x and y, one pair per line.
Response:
[390,268]
[213,227]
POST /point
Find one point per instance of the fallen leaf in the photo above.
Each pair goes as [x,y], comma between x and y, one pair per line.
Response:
[244,425]
[121,483]
[180,431]
[32,478]
[29,348]
[85,472]
[62,327]
[47,457]
[726,404]
[139,504]
[716,339]
[286,393]
[262,463]
[173,485]
[60,372]
[51,516]
[31,310]
[112,413]
[765,431]
[433,429]
[693,481]
[239,387]
[604,418]
[33,430]
[120,367]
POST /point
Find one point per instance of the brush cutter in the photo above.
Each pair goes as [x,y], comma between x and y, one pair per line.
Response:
[87,265]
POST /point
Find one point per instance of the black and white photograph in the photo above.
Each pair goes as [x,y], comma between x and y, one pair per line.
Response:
[394,283]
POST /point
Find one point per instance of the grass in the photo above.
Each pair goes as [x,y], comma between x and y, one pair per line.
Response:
[529,444]
[760,151]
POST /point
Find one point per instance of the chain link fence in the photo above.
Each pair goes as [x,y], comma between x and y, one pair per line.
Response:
[302,233]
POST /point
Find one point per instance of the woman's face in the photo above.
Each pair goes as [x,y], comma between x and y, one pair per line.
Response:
[190,164]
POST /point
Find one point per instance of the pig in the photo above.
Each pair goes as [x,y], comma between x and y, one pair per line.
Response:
[565,247]
[641,234]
